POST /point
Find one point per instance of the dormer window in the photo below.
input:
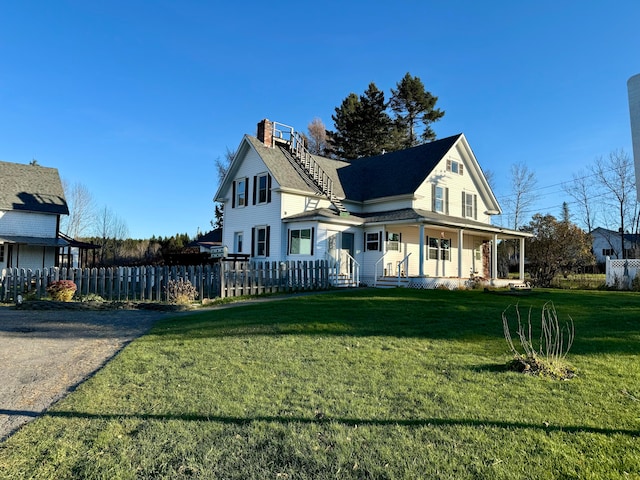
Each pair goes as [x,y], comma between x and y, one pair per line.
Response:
[454,166]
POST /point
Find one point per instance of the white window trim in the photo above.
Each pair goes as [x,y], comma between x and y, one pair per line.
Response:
[300,230]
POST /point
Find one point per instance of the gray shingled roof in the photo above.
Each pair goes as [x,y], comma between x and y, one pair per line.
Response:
[288,174]
[31,188]
[388,175]
[395,173]
[408,216]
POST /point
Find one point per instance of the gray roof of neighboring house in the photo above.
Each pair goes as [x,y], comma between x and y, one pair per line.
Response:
[31,188]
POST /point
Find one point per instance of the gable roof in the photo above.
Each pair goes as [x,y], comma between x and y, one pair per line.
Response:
[31,188]
[388,175]
[283,167]
[395,173]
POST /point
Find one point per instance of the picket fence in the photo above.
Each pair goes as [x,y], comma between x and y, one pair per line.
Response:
[148,283]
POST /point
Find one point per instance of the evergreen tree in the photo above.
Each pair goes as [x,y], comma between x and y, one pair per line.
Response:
[363,126]
[413,105]
[346,139]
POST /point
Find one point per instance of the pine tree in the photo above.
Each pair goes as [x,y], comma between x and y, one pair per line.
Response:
[414,105]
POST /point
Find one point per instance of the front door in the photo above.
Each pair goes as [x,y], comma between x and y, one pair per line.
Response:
[341,245]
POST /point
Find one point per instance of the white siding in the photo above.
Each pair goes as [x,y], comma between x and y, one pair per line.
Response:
[243,219]
[293,204]
[456,184]
[28,224]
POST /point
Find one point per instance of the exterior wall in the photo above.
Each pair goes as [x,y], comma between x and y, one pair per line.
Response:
[243,219]
[388,205]
[32,257]
[293,204]
[28,224]
[456,184]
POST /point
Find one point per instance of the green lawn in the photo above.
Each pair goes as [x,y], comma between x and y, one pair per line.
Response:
[380,384]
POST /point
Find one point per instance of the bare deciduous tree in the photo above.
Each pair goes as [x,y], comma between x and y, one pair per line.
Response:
[317,137]
[581,189]
[82,212]
[111,231]
[615,176]
[222,167]
[523,196]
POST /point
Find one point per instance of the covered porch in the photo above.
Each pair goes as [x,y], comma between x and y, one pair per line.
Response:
[427,252]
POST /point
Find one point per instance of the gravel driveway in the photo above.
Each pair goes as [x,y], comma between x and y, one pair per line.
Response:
[44,354]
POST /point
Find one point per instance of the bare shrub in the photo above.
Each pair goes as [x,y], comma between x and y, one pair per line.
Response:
[180,292]
[554,344]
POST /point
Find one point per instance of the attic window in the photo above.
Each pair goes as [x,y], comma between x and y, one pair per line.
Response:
[454,166]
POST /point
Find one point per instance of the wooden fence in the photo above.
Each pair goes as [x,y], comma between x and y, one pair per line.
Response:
[226,279]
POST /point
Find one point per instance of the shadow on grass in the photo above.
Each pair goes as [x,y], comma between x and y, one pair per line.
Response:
[418,422]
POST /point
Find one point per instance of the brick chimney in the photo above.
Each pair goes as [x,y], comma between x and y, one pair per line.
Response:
[265,132]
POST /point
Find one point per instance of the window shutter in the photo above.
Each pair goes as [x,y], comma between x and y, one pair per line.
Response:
[446,201]
[386,236]
[255,183]
[448,165]
[267,241]
[253,241]
[312,238]
[288,241]
[233,194]
[268,188]
[464,204]
[433,197]
[475,207]
[461,169]
[380,242]
[400,242]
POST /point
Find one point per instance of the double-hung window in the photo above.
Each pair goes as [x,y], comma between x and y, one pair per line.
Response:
[440,199]
[469,205]
[238,238]
[301,241]
[240,193]
[261,189]
[372,241]
[443,245]
[260,241]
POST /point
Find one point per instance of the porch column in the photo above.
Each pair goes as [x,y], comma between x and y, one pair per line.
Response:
[494,257]
[421,251]
[460,247]
[522,259]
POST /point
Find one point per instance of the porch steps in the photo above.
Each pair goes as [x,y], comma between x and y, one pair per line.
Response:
[391,282]
[342,281]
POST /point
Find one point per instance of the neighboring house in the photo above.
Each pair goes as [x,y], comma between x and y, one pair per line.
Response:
[208,240]
[423,214]
[31,202]
[608,243]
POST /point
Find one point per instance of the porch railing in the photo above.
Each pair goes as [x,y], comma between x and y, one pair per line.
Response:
[375,269]
[405,262]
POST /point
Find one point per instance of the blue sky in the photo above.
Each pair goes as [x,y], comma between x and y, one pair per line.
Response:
[136,99]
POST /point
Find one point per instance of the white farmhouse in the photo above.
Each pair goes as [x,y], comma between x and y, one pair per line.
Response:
[31,202]
[421,215]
